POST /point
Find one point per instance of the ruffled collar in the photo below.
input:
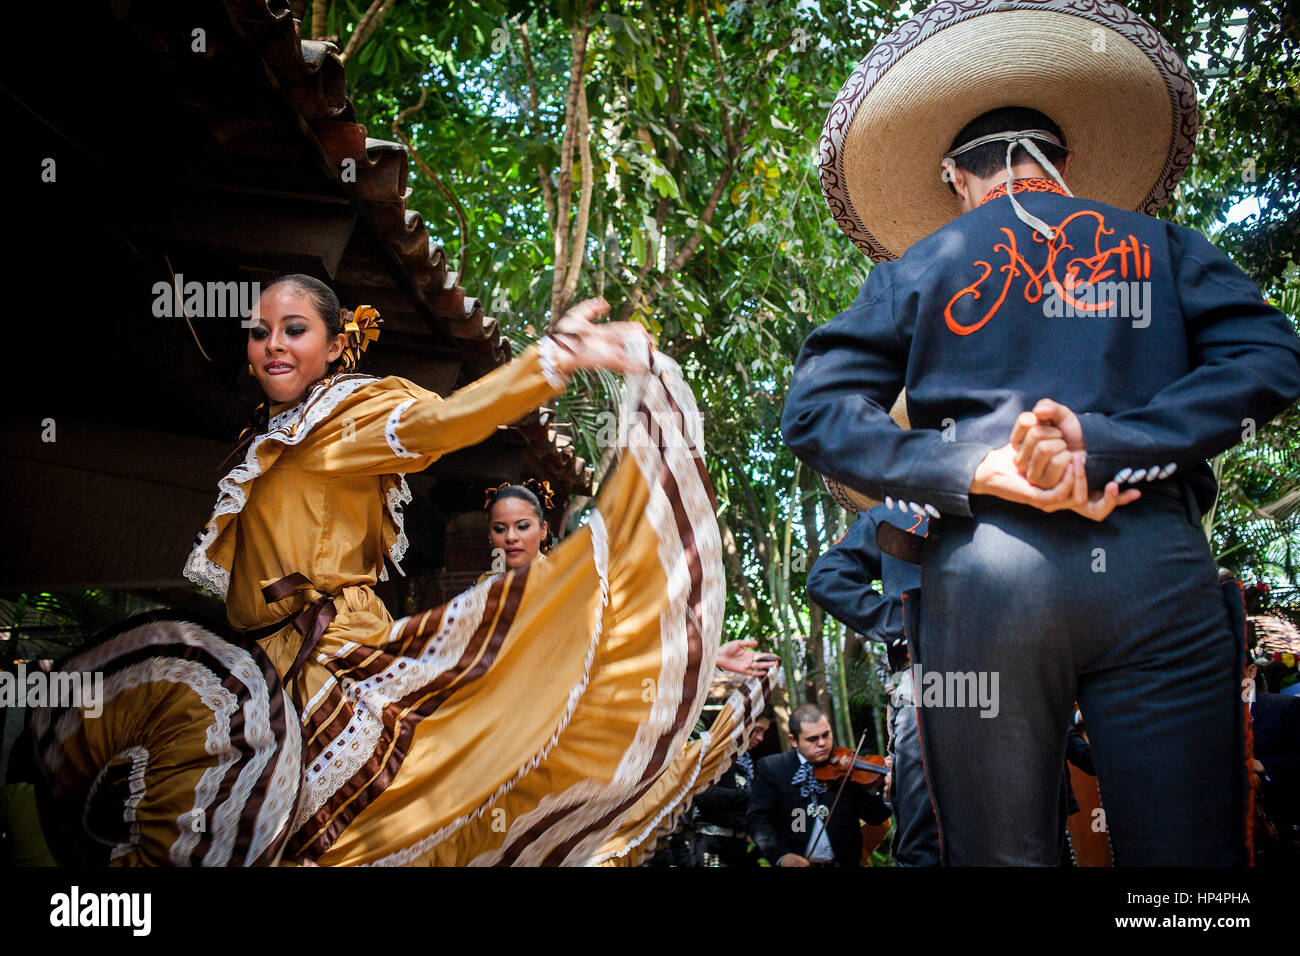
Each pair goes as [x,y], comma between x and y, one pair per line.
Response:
[285,429]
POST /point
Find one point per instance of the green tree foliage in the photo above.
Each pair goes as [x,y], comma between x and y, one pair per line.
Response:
[46,626]
[1244,191]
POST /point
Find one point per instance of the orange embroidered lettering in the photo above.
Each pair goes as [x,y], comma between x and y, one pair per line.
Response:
[1078,276]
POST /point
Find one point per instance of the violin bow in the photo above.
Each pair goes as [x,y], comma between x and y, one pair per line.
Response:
[848,773]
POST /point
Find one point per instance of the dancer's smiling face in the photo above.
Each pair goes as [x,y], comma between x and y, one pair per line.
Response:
[290,347]
[515,528]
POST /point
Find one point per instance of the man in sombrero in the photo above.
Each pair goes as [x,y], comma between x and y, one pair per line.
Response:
[1070,365]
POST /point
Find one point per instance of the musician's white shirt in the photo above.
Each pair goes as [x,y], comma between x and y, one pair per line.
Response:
[819,844]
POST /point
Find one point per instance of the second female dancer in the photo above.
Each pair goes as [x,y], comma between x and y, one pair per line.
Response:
[518,534]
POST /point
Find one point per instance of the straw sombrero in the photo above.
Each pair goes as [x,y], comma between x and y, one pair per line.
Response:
[1120,94]
[856,501]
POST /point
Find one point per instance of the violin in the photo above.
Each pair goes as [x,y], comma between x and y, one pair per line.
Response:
[867,769]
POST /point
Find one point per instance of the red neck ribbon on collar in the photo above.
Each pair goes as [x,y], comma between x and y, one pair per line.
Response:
[1025,186]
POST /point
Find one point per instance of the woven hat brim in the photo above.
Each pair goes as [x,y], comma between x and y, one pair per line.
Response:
[1123,99]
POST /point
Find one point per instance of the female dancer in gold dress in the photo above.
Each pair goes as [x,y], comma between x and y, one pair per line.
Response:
[516,725]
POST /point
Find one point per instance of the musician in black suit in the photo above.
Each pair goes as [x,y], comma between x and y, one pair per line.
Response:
[789,808]
[842,582]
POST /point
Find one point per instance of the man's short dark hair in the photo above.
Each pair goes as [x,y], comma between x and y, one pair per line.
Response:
[984,161]
[805,714]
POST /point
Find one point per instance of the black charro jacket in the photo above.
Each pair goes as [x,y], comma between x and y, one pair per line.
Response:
[778,819]
[984,317]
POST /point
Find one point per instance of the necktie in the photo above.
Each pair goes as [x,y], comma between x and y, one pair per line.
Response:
[810,788]
[745,764]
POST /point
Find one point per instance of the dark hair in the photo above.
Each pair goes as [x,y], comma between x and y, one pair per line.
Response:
[984,161]
[514,491]
[805,714]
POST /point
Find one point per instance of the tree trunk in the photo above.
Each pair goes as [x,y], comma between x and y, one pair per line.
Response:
[816,690]
[318,19]
[578,244]
[564,188]
[834,523]
[735,570]
[779,578]
[369,23]
[543,174]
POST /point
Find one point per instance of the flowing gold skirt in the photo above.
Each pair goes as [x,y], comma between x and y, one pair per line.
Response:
[520,723]
[698,766]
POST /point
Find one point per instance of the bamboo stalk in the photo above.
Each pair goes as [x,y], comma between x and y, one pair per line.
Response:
[841,644]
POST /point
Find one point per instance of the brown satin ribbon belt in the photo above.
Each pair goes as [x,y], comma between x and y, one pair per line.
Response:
[310,622]
[899,543]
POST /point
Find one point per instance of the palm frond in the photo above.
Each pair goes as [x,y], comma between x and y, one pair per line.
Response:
[40,625]
[587,410]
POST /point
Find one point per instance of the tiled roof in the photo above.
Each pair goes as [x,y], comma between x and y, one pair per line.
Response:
[313,77]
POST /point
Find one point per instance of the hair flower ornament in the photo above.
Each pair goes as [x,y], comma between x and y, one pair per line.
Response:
[541,489]
[361,328]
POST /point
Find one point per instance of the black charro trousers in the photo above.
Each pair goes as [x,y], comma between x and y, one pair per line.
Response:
[1125,616]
